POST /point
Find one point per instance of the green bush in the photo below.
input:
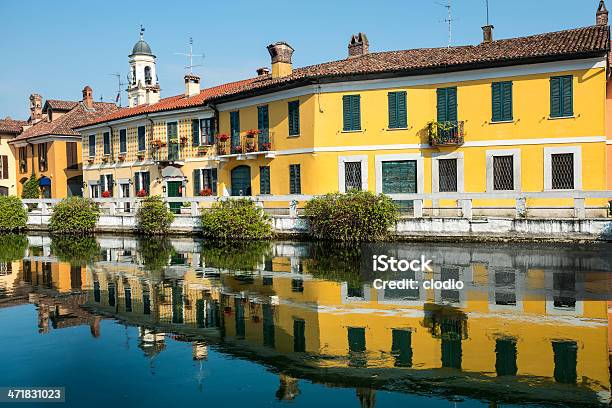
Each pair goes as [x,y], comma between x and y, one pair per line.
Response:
[235,256]
[12,247]
[153,216]
[356,216]
[236,219]
[77,250]
[155,254]
[74,215]
[12,214]
[31,189]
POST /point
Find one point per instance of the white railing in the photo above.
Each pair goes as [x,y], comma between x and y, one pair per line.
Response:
[291,204]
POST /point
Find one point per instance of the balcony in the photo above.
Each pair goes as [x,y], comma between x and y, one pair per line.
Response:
[247,146]
[450,133]
[164,153]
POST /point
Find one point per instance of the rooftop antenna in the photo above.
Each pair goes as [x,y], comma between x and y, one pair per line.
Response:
[449,19]
[190,55]
[119,84]
[487,4]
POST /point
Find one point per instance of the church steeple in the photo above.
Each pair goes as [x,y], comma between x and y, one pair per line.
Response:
[143,87]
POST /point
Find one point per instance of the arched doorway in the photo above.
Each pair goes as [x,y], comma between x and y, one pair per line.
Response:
[75,186]
[241,181]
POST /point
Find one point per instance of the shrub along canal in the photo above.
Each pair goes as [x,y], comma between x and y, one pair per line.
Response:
[123,321]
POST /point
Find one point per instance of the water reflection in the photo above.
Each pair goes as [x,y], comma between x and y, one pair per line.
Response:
[522,331]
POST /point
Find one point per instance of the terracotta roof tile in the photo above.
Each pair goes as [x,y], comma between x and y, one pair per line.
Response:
[57,104]
[65,124]
[9,125]
[560,45]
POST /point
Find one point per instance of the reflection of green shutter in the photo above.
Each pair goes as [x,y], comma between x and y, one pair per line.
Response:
[146,181]
[196,182]
[356,339]
[566,357]
[299,336]
[200,313]
[505,357]
[195,132]
[401,347]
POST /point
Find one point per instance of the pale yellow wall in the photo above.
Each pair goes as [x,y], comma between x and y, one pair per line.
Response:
[8,150]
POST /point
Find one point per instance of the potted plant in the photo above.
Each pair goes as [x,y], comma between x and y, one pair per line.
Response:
[223,137]
[106,194]
[202,149]
[205,192]
[266,146]
[184,140]
[121,156]
[140,155]
[251,133]
[157,144]
[250,147]
[106,158]
[90,160]
[237,149]
[141,193]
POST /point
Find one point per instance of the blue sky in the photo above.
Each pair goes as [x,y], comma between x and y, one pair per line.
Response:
[55,48]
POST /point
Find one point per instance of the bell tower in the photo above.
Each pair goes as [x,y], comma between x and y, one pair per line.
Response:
[142,87]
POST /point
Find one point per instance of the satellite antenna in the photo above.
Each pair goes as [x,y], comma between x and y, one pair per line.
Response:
[449,19]
[119,85]
[190,55]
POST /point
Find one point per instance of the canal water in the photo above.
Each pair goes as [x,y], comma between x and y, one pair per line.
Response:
[121,321]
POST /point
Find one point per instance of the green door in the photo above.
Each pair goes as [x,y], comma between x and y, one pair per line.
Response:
[400,177]
[241,181]
[174,190]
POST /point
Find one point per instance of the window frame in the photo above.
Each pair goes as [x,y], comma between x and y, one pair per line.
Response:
[363,159]
[123,133]
[144,138]
[206,138]
[502,92]
[43,162]
[548,152]
[295,105]
[398,119]
[105,136]
[350,100]
[261,183]
[435,170]
[294,188]
[516,167]
[562,114]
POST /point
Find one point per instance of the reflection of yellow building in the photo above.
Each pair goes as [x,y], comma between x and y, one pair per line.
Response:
[523,328]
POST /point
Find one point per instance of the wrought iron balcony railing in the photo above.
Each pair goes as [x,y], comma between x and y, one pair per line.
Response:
[261,142]
[450,133]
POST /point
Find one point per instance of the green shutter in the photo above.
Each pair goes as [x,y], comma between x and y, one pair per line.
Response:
[496,100]
[402,117]
[567,97]
[195,132]
[294,118]
[196,182]
[506,101]
[294,179]
[262,117]
[555,97]
[346,112]
[235,128]
[356,112]
[264,180]
[451,104]
[146,181]
[392,98]
[442,111]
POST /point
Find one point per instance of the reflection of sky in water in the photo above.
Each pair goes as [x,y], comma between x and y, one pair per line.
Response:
[185,322]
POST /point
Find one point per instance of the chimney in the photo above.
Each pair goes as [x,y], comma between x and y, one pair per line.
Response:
[88,97]
[359,45]
[35,107]
[281,53]
[263,71]
[601,17]
[487,33]
[192,85]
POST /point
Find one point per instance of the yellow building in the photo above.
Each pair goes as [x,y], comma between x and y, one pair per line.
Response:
[505,116]
[50,148]
[9,129]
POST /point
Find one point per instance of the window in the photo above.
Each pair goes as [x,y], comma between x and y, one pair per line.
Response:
[264,180]
[92,145]
[503,173]
[447,104]
[352,176]
[72,159]
[142,182]
[206,135]
[106,183]
[561,96]
[295,182]
[204,179]
[4,167]
[23,159]
[123,141]
[351,112]
[562,169]
[235,128]
[397,110]
[294,118]
[501,101]
[94,190]
[447,175]
[42,157]
[297,285]
[142,142]
[107,147]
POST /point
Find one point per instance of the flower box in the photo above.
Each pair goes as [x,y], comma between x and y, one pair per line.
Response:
[142,193]
[106,194]
[223,137]
[251,133]
[205,192]
[265,147]
[237,149]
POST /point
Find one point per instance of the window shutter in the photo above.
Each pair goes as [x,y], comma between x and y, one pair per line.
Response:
[496,100]
[123,141]
[392,98]
[567,97]
[262,117]
[110,184]
[141,138]
[402,117]
[346,112]
[294,118]
[214,181]
[146,181]
[196,182]
[294,179]
[555,97]
[5,167]
[441,94]
[506,101]
[101,184]
[451,104]
[264,180]
[195,132]
[356,112]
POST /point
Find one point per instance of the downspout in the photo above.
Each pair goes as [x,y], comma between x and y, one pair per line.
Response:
[151,139]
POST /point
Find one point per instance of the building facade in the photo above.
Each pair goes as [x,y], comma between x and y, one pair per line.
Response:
[50,148]
[505,116]
[9,129]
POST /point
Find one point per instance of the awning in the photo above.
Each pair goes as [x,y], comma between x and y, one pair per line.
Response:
[44,182]
[171,172]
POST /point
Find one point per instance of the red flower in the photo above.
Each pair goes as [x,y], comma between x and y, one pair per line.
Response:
[252,132]
[106,194]
[142,193]
[238,149]
[223,137]
[266,146]
[205,192]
